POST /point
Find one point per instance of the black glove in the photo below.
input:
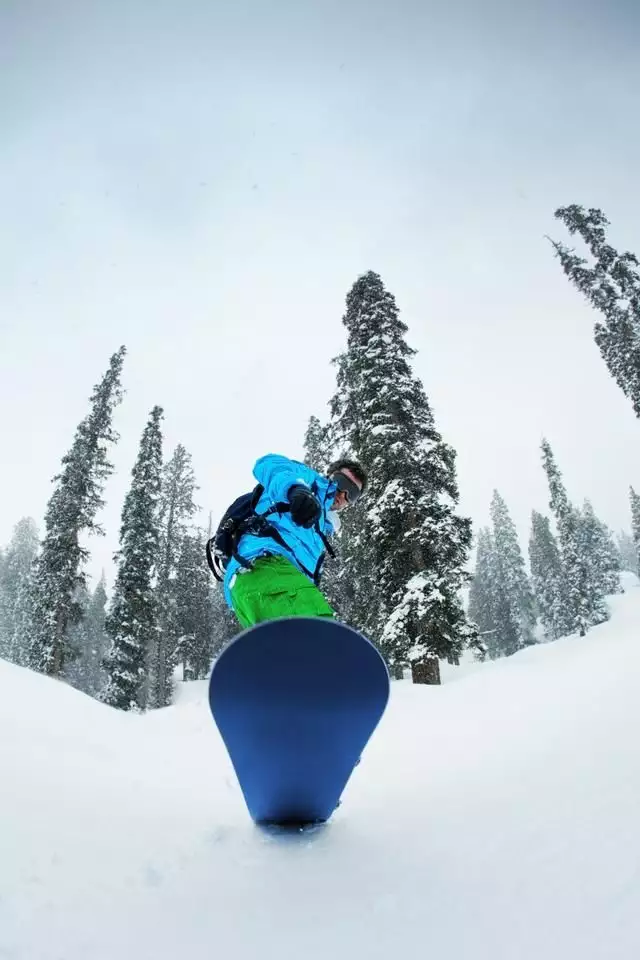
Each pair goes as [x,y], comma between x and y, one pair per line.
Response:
[305,509]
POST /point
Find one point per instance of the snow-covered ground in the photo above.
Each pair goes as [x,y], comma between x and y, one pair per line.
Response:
[497,816]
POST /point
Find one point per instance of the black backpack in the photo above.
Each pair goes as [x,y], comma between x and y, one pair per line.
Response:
[241,518]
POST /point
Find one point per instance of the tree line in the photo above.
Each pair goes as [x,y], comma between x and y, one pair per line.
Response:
[404,548]
[573,569]
[164,613]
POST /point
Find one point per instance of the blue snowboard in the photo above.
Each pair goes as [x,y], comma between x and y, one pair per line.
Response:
[295,701]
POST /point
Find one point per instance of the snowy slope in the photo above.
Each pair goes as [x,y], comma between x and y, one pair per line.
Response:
[497,816]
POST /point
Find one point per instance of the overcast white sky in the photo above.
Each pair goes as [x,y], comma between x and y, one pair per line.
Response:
[204,182]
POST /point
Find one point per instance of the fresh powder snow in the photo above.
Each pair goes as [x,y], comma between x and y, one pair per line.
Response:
[496,816]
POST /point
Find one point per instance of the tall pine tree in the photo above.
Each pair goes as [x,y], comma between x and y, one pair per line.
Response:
[500,598]
[627,551]
[585,603]
[598,548]
[517,611]
[404,543]
[547,576]
[132,622]
[177,507]
[482,593]
[96,639]
[196,628]
[16,576]
[72,511]
[611,283]
[73,670]
[89,638]
[317,446]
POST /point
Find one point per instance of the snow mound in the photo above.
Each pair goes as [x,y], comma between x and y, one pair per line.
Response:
[493,817]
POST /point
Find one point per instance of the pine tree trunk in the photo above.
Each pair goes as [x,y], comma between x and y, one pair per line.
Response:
[428,671]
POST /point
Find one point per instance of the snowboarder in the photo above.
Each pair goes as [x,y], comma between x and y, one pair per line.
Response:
[276,562]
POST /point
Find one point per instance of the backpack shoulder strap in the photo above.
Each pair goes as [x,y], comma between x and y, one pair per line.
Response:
[211,560]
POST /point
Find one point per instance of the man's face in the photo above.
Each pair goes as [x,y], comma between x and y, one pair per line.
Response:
[341,501]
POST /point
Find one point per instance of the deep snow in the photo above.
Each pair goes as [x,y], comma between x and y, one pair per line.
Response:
[497,816]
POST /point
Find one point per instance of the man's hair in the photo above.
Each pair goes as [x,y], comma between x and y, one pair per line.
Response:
[356,469]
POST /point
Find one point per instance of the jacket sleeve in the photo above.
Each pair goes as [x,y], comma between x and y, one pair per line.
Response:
[278,474]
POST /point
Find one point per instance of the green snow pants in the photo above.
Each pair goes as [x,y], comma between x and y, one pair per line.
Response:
[275,588]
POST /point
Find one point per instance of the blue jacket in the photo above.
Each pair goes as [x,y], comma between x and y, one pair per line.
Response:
[277,475]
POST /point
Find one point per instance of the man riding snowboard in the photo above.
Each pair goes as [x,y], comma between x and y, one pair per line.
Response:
[277,554]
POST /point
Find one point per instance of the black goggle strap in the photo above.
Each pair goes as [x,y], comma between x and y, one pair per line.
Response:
[347,486]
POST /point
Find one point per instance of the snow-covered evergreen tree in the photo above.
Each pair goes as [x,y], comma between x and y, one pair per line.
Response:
[635,520]
[548,579]
[89,642]
[585,603]
[194,608]
[73,668]
[317,448]
[404,545]
[177,507]
[489,602]
[16,576]
[598,547]
[628,552]
[96,638]
[515,600]
[612,285]
[500,598]
[482,601]
[132,621]
[72,511]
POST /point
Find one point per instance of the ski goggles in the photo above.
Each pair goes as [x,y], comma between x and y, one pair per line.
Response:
[350,489]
